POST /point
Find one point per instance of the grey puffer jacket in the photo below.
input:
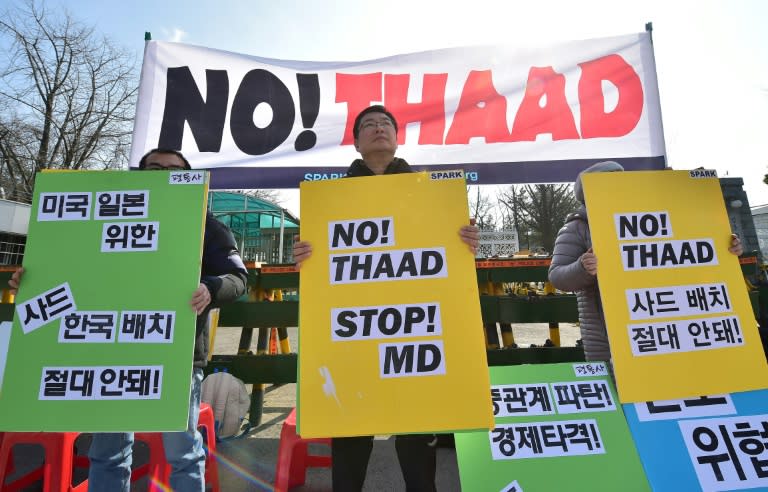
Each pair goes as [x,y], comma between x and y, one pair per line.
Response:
[567,274]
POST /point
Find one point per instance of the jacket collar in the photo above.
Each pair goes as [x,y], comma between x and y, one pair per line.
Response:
[397,166]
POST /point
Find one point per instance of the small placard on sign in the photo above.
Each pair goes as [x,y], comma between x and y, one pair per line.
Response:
[457,174]
[703,173]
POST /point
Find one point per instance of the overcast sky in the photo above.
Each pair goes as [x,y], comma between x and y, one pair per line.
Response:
[711,56]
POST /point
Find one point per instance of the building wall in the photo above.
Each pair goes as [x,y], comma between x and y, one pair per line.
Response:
[760,219]
[14,217]
[14,222]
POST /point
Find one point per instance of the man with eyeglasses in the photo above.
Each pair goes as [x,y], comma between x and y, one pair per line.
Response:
[223,279]
[375,132]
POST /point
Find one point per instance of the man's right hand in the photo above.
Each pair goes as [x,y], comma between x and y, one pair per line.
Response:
[589,262]
[302,250]
[15,280]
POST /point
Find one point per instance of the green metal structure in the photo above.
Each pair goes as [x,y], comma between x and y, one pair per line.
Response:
[264,231]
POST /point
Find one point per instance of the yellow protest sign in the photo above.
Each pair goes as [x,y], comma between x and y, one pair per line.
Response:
[679,318]
[390,329]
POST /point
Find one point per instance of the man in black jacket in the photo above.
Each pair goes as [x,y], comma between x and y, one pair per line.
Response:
[375,132]
[222,279]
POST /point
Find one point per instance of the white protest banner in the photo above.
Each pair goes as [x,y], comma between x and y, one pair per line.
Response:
[502,114]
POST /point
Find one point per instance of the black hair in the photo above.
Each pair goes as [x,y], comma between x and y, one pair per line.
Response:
[143,161]
[376,108]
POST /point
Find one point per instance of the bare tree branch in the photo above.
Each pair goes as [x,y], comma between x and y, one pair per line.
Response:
[67,96]
[539,210]
[481,209]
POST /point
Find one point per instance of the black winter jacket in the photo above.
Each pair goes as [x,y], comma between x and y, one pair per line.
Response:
[225,275]
[358,168]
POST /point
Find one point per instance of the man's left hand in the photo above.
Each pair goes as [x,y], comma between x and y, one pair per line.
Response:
[200,299]
[736,248]
[470,234]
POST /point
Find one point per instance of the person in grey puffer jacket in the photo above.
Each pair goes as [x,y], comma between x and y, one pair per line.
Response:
[574,269]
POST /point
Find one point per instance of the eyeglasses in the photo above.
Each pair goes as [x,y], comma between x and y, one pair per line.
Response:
[152,166]
[372,124]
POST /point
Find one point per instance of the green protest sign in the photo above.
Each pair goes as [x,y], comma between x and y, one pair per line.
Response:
[103,332]
[557,427]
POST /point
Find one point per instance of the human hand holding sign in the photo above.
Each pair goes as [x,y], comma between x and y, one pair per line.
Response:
[15,280]
[589,262]
[470,234]
[302,250]
[736,248]
[200,298]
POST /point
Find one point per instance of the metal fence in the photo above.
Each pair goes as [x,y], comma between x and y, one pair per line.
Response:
[265,247]
[12,249]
